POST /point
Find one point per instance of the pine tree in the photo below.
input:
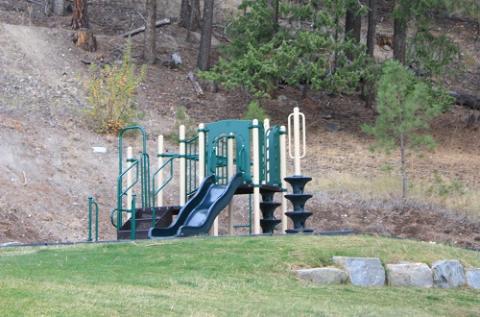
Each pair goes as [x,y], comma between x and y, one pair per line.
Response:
[405,107]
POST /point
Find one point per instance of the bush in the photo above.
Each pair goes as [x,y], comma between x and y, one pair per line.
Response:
[112,93]
[255,111]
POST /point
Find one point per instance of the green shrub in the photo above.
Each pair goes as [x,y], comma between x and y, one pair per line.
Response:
[112,94]
[255,111]
[444,188]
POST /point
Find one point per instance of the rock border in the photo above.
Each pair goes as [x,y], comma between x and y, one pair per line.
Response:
[370,272]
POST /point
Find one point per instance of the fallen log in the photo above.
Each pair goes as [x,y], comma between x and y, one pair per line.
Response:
[196,86]
[139,30]
[466,100]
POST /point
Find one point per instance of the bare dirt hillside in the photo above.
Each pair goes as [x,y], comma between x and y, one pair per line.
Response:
[48,167]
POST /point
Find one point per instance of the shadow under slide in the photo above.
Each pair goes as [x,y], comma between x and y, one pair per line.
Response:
[199,213]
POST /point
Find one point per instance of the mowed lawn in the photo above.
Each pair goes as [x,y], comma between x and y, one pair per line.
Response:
[242,276]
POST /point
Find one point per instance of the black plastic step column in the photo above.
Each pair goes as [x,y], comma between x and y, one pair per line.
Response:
[268,206]
[298,199]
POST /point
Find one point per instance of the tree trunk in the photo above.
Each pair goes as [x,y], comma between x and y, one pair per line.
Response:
[84,37]
[368,88]
[80,16]
[399,35]
[372,27]
[274,5]
[349,17]
[403,167]
[206,37]
[357,28]
[149,50]
[190,14]
[353,25]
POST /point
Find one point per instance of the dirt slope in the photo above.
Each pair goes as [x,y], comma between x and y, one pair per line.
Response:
[47,167]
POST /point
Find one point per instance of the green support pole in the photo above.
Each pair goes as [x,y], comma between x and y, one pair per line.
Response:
[133,219]
[96,222]
[90,201]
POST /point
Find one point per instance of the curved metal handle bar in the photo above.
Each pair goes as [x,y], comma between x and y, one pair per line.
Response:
[120,142]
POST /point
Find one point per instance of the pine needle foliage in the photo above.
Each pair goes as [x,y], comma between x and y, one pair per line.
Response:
[306,51]
[406,106]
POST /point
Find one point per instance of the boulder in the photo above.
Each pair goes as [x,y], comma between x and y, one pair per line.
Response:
[323,275]
[362,271]
[473,278]
[448,274]
[409,274]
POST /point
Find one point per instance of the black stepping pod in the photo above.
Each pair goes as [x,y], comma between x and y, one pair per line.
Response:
[298,199]
[268,206]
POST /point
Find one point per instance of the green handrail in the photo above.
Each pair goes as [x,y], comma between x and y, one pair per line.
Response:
[144,172]
[91,204]
[121,193]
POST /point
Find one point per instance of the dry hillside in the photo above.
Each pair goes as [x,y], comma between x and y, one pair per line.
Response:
[48,167]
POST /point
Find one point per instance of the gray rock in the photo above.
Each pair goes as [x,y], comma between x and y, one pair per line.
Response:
[176,59]
[409,274]
[362,271]
[323,275]
[473,278]
[448,274]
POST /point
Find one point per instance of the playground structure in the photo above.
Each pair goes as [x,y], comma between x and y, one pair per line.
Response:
[224,159]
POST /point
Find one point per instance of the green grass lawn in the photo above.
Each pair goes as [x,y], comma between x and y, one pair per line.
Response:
[218,277]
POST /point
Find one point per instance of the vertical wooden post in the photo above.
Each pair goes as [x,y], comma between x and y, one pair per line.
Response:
[296,140]
[283,174]
[160,173]
[231,173]
[183,185]
[201,152]
[129,180]
[256,177]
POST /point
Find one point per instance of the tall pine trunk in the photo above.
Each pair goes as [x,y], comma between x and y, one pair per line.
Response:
[368,88]
[149,50]
[203,62]
[372,27]
[190,14]
[353,25]
[399,34]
